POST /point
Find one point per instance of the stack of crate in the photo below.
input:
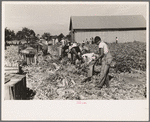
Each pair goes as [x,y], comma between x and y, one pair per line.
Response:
[12,69]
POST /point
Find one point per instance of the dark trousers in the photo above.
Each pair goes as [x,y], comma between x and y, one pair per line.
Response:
[74,56]
[63,51]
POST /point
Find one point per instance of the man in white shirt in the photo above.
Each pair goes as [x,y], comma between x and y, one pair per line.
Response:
[106,57]
[63,42]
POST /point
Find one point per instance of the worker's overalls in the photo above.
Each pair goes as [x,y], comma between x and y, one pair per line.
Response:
[104,78]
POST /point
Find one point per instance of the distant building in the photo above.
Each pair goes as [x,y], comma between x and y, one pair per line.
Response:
[126,28]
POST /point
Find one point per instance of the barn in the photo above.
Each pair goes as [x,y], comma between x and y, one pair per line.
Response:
[127,28]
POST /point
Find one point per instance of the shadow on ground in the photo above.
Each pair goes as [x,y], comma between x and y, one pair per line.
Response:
[30,94]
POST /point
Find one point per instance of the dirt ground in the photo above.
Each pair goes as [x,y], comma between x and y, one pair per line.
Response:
[52,79]
[60,80]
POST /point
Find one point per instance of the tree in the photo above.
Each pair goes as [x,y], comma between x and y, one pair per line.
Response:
[32,37]
[27,34]
[19,35]
[60,37]
[9,34]
[46,36]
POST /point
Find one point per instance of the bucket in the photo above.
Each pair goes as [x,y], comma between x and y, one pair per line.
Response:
[90,70]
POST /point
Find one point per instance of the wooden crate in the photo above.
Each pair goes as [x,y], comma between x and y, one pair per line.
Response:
[30,59]
[90,71]
[9,69]
[15,87]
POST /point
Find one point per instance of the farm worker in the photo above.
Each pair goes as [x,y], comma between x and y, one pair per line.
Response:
[46,42]
[44,46]
[116,40]
[75,50]
[53,41]
[62,48]
[44,49]
[84,49]
[65,49]
[106,57]
[63,42]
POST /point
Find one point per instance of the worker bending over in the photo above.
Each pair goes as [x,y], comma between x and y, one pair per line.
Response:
[75,53]
[106,57]
[64,47]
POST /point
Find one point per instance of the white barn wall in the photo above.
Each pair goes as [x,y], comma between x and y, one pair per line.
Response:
[110,36]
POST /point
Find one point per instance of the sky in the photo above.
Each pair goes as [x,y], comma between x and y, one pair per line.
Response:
[54,17]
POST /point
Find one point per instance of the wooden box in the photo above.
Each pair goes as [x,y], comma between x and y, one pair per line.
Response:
[90,71]
[15,87]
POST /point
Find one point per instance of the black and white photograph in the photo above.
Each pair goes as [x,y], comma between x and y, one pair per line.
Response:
[76,52]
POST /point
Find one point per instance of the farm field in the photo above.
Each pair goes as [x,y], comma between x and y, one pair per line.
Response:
[52,79]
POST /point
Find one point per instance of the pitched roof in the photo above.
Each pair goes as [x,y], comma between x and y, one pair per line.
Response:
[28,50]
[107,22]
